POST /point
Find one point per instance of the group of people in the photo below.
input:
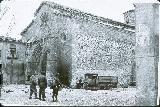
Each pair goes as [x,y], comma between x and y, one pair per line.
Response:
[42,83]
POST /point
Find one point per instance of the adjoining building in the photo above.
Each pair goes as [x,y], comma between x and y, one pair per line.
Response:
[71,43]
[12,60]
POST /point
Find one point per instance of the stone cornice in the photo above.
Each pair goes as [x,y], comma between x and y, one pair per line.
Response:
[72,13]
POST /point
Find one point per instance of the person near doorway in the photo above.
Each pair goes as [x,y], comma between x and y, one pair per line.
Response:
[42,82]
[33,85]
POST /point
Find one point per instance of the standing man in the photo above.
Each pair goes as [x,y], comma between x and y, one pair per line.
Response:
[55,86]
[42,82]
[1,78]
[33,84]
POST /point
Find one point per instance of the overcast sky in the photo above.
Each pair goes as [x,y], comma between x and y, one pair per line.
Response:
[23,11]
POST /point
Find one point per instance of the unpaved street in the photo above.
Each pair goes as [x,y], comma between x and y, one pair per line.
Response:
[19,95]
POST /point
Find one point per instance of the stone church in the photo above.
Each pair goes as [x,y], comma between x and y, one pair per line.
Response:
[71,42]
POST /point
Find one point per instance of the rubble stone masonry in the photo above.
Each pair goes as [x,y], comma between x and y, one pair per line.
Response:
[84,43]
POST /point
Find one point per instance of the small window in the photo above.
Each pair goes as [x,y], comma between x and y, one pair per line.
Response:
[45,39]
[0,53]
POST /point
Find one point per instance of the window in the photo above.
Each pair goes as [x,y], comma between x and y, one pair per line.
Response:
[45,39]
[0,53]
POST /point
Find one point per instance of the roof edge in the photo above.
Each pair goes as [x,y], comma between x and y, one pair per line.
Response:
[129,11]
[25,29]
[86,16]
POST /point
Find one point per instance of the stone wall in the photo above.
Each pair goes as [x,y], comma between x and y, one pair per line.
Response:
[99,47]
[82,42]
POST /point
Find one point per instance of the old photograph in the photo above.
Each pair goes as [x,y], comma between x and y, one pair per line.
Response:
[79,52]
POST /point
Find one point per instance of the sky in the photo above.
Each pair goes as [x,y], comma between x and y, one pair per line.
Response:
[21,12]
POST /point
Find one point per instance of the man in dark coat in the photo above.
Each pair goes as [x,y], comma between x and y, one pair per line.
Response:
[1,79]
[55,86]
[42,82]
[33,86]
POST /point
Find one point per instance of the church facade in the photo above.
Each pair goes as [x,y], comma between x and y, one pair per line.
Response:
[71,43]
